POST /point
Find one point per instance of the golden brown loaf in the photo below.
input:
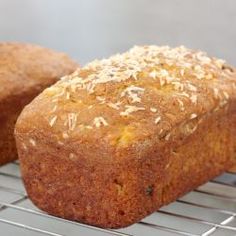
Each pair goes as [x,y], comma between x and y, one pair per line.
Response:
[116,140]
[25,70]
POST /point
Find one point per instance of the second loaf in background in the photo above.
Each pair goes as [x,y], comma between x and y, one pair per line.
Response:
[123,136]
[25,70]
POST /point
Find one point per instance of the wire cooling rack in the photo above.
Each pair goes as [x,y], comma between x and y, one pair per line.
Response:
[208,210]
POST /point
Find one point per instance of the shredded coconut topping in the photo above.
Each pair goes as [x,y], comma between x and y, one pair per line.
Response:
[178,85]
[32,141]
[181,104]
[54,108]
[133,93]
[72,120]
[115,106]
[192,88]
[130,109]
[193,116]
[52,121]
[167,137]
[216,92]
[157,120]
[65,135]
[193,98]
[153,109]
[168,74]
[234,86]
[226,95]
[128,65]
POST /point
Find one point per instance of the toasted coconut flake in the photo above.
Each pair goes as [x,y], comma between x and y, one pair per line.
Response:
[184,94]
[192,88]
[193,116]
[72,120]
[157,120]
[114,105]
[181,104]
[153,109]
[133,92]
[131,109]
[216,92]
[67,95]
[167,137]
[226,95]
[178,85]
[153,74]
[219,63]
[32,142]
[101,99]
[52,121]
[65,135]
[234,86]
[100,121]
[54,109]
[193,98]
[72,156]
[24,146]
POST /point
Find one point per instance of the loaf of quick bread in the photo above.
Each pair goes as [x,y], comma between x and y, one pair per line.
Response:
[25,70]
[121,137]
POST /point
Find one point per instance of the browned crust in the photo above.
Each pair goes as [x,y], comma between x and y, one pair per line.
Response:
[25,70]
[87,171]
[121,190]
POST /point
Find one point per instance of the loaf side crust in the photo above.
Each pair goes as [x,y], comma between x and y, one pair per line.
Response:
[107,148]
[25,70]
[120,189]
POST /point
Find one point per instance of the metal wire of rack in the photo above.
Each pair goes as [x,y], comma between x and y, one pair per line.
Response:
[208,210]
